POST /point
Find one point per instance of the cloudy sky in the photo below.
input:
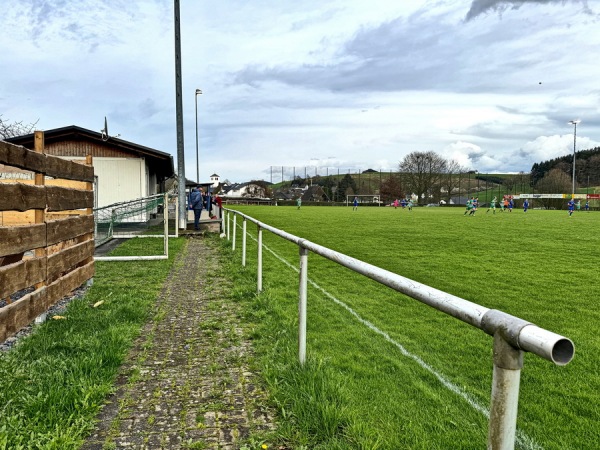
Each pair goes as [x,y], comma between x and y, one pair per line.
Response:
[339,84]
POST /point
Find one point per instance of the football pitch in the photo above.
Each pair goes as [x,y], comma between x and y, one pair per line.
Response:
[386,371]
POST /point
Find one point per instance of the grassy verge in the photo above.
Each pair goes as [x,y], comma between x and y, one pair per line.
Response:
[425,386]
[54,381]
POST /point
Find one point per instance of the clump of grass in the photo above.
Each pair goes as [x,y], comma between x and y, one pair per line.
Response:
[55,380]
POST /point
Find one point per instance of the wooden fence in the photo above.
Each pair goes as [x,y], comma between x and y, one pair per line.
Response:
[43,259]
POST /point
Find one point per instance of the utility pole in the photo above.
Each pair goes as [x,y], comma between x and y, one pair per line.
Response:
[179,109]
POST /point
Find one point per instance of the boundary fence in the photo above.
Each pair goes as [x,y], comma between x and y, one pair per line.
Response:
[43,261]
[512,336]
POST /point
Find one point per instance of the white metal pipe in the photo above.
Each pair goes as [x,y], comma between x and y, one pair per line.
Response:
[525,335]
[244,243]
[302,294]
[130,258]
[166,220]
[259,260]
[234,232]
[508,362]
[228,227]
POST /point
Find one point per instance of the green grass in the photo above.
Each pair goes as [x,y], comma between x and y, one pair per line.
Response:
[359,390]
[54,381]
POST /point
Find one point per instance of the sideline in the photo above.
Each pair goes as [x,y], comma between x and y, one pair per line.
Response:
[522,439]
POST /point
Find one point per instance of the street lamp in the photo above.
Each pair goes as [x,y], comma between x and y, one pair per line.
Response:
[574,123]
[198,91]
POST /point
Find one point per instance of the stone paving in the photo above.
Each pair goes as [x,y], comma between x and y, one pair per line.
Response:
[186,383]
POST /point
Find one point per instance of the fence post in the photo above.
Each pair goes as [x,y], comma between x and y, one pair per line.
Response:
[166,220]
[508,362]
[234,230]
[303,289]
[228,227]
[259,258]
[244,243]
[40,215]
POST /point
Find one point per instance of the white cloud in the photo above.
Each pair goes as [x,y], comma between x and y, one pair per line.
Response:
[287,82]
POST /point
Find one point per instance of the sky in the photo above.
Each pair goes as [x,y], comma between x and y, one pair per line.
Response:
[341,85]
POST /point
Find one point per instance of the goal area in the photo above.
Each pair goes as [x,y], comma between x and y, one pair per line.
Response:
[364,199]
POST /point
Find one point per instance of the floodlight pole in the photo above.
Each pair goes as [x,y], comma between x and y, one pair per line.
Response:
[182,213]
[574,123]
[198,91]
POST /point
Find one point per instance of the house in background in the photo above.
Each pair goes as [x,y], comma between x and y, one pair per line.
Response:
[124,170]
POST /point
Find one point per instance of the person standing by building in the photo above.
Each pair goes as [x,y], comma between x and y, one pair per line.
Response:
[217,200]
[196,202]
[355,204]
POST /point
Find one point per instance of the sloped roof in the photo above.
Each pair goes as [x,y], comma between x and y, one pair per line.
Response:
[160,162]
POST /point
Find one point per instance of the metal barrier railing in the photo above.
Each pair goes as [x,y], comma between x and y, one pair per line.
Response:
[512,336]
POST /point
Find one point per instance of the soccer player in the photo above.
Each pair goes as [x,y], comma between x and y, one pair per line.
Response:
[510,204]
[525,205]
[475,205]
[587,205]
[469,206]
[571,207]
[410,205]
[492,206]
[355,204]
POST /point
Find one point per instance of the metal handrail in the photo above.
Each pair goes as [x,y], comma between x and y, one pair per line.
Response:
[512,335]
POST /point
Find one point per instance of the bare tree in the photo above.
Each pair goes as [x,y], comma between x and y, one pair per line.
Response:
[391,188]
[451,179]
[554,182]
[422,172]
[10,129]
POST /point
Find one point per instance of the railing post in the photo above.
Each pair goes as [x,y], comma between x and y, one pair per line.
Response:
[244,243]
[228,227]
[259,261]
[303,290]
[166,225]
[234,230]
[508,362]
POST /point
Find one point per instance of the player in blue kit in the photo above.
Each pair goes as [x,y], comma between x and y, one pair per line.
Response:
[525,205]
[571,206]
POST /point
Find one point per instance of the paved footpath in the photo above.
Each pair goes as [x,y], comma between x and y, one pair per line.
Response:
[186,383]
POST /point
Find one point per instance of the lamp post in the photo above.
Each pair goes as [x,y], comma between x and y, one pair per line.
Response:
[198,91]
[574,123]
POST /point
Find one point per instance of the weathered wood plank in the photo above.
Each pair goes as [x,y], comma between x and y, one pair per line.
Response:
[69,257]
[64,229]
[18,156]
[21,239]
[61,198]
[71,170]
[21,197]
[52,166]
[21,313]
[64,285]
[9,259]
[21,275]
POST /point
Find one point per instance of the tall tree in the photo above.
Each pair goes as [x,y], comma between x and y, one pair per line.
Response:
[554,182]
[346,186]
[391,189]
[451,179]
[422,172]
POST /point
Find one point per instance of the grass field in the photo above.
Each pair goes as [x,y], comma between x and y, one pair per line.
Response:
[55,380]
[426,386]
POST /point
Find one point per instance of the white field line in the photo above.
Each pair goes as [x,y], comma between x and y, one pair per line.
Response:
[522,439]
